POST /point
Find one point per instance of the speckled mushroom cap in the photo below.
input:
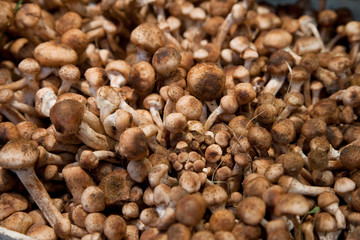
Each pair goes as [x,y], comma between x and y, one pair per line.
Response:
[6,15]
[277,39]
[67,116]
[55,54]
[206,81]
[19,153]
[291,203]
[148,37]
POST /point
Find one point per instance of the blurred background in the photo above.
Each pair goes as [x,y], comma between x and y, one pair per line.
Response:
[353,5]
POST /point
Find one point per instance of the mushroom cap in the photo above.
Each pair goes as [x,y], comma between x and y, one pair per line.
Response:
[76,39]
[28,15]
[327,198]
[6,15]
[29,66]
[190,209]
[283,131]
[189,106]
[206,81]
[277,63]
[350,157]
[55,54]
[291,203]
[142,78]
[343,185]
[19,154]
[69,73]
[244,93]
[294,99]
[214,195]
[67,116]
[133,144]
[166,60]
[147,36]
[251,210]
[96,76]
[118,66]
[278,39]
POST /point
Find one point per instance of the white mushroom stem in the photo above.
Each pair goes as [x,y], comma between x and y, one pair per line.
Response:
[316,33]
[142,55]
[334,210]
[24,108]
[93,139]
[17,85]
[292,185]
[11,114]
[287,111]
[155,106]
[137,118]
[212,118]
[333,153]
[203,116]
[329,235]
[274,85]
[117,80]
[168,108]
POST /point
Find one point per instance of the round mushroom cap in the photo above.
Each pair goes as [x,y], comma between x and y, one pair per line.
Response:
[29,66]
[166,60]
[278,63]
[147,36]
[19,153]
[327,198]
[118,66]
[55,54]
[251,210]
[350,157]
[142,78]
[278,39]
[292,203]
[67,116]
[206,81]
[28,16]
[76,39]
[190,209]
[133,144]
[69,73]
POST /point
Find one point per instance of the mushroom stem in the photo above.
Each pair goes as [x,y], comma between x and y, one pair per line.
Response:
[213,116]
[293,185]
[274,85]
[93,139]
[41,197]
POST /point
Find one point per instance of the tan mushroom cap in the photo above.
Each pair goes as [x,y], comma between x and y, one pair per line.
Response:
[29,66]
[67,116]
[69,73]
[278,39]
[118,66]
[291,203]
[206,81]
[54,54]
[147,36]
[19,153]
[28,15]
[6,15]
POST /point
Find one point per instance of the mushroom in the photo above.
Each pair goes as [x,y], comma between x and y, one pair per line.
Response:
[147,38]
[67,117]
[55,54]
[20,155]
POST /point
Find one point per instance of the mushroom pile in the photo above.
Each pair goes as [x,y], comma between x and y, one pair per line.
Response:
[179,119]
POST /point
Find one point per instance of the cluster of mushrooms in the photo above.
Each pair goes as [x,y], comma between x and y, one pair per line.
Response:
[179,120]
